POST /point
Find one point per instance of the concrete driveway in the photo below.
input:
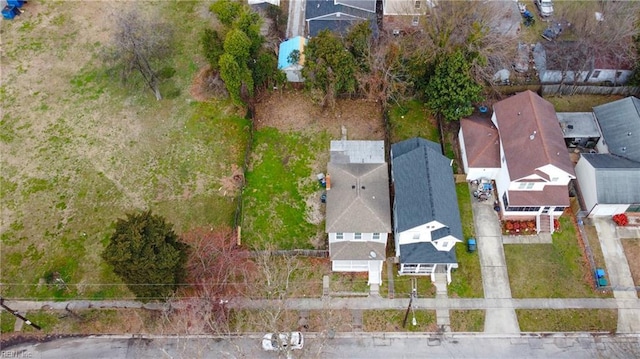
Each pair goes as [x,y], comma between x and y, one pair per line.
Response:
[618,273]
[495,278]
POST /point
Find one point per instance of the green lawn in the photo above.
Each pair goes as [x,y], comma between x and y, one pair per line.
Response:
[391,321]
[409,120]
[567,320]
[466,280]
[86,149]
[580,103]
[556,270]
[279,182]
[402,285]
[467,320]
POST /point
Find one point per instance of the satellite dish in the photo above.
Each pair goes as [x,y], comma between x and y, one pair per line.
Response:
[372,254]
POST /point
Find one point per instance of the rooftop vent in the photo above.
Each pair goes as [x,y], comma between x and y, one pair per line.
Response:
[570,127]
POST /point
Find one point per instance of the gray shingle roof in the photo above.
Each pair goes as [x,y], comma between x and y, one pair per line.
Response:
[358,200]
[620,125]
[337,17]
[424,186]
[425,253]
[354,250]
[617,178]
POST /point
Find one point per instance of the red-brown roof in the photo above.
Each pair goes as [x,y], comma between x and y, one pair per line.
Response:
[531,135]
[550,196]
[481,141]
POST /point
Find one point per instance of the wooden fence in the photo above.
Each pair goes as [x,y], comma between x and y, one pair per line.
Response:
[567,89]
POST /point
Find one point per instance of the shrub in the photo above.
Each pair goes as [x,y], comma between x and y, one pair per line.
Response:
[509,226]
[621,219]
[556,224]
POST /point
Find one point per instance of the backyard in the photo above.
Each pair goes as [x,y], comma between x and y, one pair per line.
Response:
[86,149]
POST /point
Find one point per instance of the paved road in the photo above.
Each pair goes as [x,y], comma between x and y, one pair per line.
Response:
[370,346]
[495,278]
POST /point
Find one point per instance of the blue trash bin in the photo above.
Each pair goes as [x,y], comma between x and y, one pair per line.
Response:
[471,245]
[16,3]
[9,12]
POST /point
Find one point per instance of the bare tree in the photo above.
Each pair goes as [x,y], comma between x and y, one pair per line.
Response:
[481,28]
[138,44]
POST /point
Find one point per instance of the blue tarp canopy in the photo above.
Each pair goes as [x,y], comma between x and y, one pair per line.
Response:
[287,47]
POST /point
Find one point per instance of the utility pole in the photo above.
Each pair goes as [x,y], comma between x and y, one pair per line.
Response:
[15,312]
[414,294]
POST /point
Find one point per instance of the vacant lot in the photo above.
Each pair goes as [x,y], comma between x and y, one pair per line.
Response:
[556,270]
[79,149]
[281,200]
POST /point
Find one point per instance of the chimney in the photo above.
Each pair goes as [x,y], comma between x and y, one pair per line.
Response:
[328,179]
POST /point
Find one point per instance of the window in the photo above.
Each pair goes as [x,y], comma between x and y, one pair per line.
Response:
[376,236]
[522,185]
[596,74]
[339,235]
[555,179]
[530,185]
[634,208]
[618,74]
[415,21]
[358,236]
[444,245]
[417,4]
[416,235]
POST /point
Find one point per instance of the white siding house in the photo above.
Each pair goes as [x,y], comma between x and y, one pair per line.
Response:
[426,217]
[358,207]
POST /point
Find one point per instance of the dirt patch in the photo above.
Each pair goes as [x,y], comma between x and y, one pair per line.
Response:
[232,183]
[207,85]
[295,111]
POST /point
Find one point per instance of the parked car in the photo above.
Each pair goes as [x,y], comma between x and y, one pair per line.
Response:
[545,7]
[271,341]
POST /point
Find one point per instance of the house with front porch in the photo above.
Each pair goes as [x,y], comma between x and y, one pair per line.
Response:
[358,213]
[427,222]
[534,165]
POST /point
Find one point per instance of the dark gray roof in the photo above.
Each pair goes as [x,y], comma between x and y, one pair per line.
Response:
[355,250]
[424,186]
[617,178]
[358,201]
[339,16]
[425,253]
[578,124]
[620,125]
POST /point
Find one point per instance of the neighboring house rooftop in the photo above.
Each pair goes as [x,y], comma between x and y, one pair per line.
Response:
[617,178]
[620,125]
[578,124]
[481,141]
[424,186]
[289,46]
[339,15]
[531,135]
[344,151]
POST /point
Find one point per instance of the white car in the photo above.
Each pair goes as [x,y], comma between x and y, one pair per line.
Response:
[545,7]
[282,341]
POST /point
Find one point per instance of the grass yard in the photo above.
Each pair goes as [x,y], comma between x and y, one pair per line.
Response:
[467,320]
[84,149]
[632,252]
[594,244]
[282,191]
[580,103]
[567,320]
[402,285]
[466,280]
[556,270]
[391,321]
[410,120]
